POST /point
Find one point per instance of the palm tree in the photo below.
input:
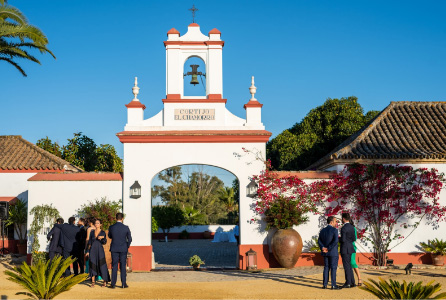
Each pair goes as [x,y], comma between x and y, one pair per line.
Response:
[226,195]
[17,37]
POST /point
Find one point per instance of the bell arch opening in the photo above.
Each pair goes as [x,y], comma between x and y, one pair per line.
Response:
[201,204]
[194,81]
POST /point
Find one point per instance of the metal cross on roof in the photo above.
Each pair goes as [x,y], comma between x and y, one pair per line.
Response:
[193,10]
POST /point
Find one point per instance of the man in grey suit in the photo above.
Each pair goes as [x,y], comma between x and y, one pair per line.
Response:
[121,240]
[347,238]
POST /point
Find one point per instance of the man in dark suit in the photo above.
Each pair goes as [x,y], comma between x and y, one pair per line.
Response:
[328,243]
[69,238]
[54,236]
[347,239]
[81,237]
[121,240]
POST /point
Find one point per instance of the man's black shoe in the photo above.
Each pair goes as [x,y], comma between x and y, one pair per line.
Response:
[125,286]
[324,287]
[112,286]
[336,288]
[346,286]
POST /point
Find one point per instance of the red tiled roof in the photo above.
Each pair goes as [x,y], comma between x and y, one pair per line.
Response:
[404,130]
[17,153]
[76,177]
[8,199]
[305,174]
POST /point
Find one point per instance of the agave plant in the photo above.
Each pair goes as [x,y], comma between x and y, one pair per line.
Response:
[396,290]
[44,279]
[434,246]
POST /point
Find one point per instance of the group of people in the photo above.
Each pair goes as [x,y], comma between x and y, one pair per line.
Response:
[85,242]
[328,243]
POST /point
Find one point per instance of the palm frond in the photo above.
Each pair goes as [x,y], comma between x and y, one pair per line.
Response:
[44,279]
[10,12]
[15,65]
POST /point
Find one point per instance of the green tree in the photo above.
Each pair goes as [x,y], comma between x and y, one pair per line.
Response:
[47,145]
[107,159]
[199,194]
[226,195]
[167,217]
[322,129]
[81,151]
[18,37]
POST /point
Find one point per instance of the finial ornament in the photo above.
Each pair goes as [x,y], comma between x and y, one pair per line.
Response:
[193,10]
[252,90]
[135,90]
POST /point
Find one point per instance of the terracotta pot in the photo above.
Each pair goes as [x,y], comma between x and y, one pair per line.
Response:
[22,248]
[287,247]
[437,260]
[196,267]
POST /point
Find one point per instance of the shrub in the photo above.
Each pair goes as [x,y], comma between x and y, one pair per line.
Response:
[195,261]
[44,280]
[396,290]
[18,215]
[39,256]
[103,209]
[184,234]
[154,225]
[434,246]
[284,213]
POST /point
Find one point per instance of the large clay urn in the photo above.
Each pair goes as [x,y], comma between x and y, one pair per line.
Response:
[287,247]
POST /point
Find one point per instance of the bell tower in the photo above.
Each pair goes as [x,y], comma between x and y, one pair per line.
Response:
[194,44]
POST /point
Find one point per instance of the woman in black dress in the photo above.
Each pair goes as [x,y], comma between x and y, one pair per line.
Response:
[96,254]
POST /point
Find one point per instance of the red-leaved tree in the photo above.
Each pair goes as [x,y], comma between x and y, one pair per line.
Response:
[384,200]
[283,201]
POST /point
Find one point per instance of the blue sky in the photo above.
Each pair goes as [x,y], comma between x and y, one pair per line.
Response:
[301,52]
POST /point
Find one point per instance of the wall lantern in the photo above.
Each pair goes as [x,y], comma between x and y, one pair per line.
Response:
[251,260]
[135,190]
[251,189]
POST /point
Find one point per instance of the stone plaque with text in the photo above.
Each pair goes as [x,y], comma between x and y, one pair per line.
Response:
[194,114]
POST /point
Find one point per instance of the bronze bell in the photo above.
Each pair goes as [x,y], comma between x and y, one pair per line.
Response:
[194,73]
[194,79]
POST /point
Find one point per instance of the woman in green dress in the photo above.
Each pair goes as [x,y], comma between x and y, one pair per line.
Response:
[353,262]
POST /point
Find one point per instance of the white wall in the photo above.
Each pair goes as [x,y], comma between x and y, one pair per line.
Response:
[144,161]
[421,234]
[68,196]
[198,228]
[15,185]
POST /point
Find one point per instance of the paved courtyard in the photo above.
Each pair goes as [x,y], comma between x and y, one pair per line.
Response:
[176,254]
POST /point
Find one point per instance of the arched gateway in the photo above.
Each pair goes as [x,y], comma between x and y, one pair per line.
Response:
[190,130]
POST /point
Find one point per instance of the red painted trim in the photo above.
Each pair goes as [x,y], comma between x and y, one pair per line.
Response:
[179,100]
[305,174]
[215,31]
[31,170]
[187,43]
[193,25]
[8,199]
[77,177]
[141,258]
[135,104]
[176,235]
[173,96]
[252,103]
[173,31]
[215,96]
[11,245]
[199,136]
[265,259]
